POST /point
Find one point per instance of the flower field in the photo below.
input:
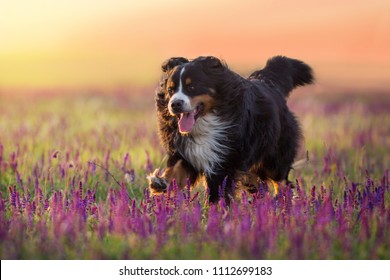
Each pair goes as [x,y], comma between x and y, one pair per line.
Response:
[73,184]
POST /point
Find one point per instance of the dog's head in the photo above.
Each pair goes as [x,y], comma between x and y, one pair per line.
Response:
[191,87]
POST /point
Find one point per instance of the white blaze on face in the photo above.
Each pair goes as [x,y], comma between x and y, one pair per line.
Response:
[179,95]
[187,115]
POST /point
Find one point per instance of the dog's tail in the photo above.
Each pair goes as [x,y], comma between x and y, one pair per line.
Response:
[285,73]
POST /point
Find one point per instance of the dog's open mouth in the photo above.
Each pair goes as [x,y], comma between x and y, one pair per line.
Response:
[187,119]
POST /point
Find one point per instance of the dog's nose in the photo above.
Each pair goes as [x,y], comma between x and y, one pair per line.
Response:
[177,105]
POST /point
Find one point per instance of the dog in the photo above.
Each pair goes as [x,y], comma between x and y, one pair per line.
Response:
[216,124]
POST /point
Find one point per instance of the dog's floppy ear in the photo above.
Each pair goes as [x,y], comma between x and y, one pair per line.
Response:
[169,64]
[212,62]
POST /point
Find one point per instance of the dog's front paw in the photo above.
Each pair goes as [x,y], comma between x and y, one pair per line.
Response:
[157,184]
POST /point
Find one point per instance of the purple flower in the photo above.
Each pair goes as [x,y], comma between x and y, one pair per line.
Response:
[149,165]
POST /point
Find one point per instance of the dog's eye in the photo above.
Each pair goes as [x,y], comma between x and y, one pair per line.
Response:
[190,87]
[170,90]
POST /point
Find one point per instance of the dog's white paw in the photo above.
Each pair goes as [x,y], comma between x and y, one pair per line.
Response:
[157,184]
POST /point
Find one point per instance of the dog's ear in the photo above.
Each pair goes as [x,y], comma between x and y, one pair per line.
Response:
[211,62]
[169,64]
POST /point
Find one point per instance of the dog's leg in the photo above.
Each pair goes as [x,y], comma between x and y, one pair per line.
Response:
[220,184]
[275,185]
[249,182]
[178,170]
[243,181]
[214,184]
[276,179]
[246,181]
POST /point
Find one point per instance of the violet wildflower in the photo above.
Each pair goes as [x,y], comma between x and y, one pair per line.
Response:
[92,167]
[130,176]
[12,194]
[125,161]
[107,164]
[13,162]
[149,165]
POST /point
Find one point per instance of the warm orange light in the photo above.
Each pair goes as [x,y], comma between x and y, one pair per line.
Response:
[76,43]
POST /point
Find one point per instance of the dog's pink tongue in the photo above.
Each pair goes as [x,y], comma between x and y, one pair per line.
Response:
[186,122]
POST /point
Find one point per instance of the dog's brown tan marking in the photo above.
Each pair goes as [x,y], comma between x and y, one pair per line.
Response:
[246,181]
[250,182]
[188,81]
[170,84]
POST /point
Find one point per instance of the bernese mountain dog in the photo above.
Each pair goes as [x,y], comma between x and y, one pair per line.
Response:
[217,125]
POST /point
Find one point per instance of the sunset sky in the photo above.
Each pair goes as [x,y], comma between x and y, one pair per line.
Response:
[54,43]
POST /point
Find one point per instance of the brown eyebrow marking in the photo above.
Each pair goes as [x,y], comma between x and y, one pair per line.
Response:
[188,81]
[171,84]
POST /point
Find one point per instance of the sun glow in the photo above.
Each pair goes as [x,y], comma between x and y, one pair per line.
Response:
[61,43]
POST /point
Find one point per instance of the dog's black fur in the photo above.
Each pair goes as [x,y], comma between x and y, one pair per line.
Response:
[260,134]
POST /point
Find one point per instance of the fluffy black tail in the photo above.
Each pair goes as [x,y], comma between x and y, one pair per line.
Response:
[286,73]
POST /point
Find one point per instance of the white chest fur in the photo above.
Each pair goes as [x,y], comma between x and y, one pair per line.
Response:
[204,148]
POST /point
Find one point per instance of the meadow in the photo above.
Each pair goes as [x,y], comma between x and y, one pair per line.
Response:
[73,184]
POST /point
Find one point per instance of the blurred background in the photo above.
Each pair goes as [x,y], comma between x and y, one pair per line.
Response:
[47,44]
